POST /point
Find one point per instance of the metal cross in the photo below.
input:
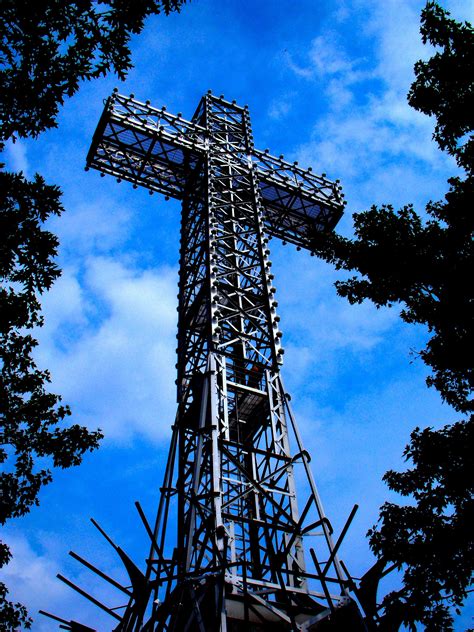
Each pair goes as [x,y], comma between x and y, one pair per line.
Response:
[237,557]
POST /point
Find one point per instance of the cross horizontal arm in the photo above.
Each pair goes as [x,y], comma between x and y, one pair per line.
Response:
[146,146]
[152,148]
[297,202]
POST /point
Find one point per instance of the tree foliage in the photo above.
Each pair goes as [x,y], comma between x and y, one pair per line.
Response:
[444,84]
[12,615]
[433,538]
[30,416]
[46,49]
[424,265]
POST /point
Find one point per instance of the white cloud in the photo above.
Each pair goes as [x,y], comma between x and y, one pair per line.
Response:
[31,579]
[328,58]
[16,156]
[370,137]
[65,303]
[330,64]
[317,315]
[281,107]
[95,226]
[26,573]
[109,341]
[26,566]
[395,29]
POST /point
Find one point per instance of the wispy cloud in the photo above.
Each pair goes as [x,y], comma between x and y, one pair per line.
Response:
[92,227]
[280,107]
[31,576]
[326,57]
[16,156]
[109,342]
[369,135]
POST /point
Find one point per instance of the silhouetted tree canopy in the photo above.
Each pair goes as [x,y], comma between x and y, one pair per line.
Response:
[444,85]
[425,265]
[46,49]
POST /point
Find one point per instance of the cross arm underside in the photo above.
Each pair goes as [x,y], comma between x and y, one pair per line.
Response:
[298,203]
[152,148]
[146,146]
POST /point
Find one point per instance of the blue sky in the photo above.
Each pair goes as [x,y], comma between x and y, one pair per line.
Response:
[326,84]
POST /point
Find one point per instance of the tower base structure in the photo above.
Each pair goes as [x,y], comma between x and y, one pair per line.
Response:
[247,553]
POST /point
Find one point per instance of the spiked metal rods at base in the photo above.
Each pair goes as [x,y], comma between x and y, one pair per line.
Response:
[237,560]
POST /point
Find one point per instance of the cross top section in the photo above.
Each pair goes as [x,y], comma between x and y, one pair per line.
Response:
[153,148]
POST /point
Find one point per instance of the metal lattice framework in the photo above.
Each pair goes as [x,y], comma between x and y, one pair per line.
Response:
[236,561]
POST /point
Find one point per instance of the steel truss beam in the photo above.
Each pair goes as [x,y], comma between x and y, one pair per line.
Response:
[152,148]
[236,561]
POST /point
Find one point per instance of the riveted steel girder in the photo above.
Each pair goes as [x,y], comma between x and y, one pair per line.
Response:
[236,559]
[153,148]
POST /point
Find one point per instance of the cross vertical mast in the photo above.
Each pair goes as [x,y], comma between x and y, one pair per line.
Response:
[236,560]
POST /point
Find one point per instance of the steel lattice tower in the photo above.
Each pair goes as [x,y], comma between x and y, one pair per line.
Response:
[236,561]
